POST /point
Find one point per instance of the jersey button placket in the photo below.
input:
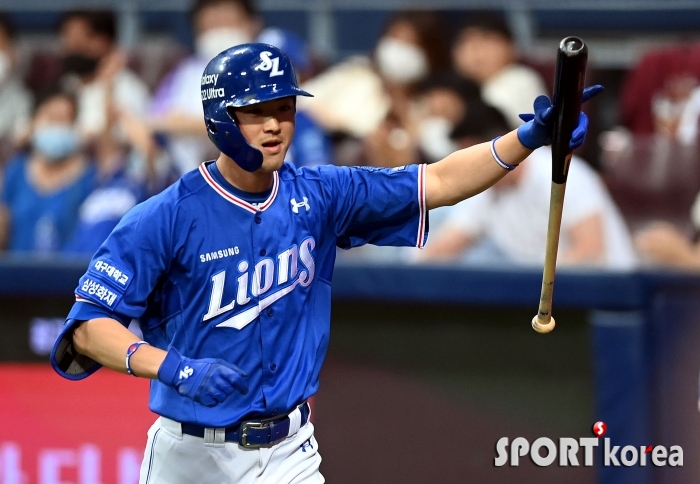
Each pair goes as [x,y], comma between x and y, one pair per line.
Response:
[257,218]
[273,367]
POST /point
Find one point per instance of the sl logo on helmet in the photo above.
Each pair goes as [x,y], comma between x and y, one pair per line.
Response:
[270,64]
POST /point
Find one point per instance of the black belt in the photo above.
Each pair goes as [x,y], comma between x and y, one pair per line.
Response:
[254,433]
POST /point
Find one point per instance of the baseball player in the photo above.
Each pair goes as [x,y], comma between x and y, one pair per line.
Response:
[229,273]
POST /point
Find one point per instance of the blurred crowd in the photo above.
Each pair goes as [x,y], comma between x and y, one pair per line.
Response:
[84,136]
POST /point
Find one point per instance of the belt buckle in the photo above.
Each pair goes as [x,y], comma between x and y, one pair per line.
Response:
[244,434]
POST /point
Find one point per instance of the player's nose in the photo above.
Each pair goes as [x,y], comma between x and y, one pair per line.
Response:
[271,125]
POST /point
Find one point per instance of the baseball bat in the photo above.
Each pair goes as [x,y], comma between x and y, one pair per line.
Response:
[568,93]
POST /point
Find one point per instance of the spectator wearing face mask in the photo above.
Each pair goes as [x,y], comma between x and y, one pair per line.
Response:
[374,98]
[108,92]
[96,69]
[118,187]
[444,102]
[42,189]
[176,109]
[484,52]
[411,49]
[661,94]
[15,99]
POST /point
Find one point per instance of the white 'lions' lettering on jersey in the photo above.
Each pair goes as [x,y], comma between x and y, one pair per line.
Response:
[268,64]
[262,281]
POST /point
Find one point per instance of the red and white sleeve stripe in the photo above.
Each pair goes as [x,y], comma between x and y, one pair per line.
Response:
[423,216]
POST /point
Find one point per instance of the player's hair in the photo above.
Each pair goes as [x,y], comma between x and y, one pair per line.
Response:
[430,28]
[7,26]
[101,22]
[489,21]
[53,91]
[247,5]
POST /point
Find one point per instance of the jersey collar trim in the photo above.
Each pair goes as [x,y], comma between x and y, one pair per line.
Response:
[236,200]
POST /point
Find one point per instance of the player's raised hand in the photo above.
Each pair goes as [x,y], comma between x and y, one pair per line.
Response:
[537,130]
[207,381]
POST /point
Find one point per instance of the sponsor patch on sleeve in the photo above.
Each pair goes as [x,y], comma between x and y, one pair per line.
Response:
[104,283]
[106,268]
[97,291]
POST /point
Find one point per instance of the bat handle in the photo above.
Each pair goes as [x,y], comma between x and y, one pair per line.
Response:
[543,322]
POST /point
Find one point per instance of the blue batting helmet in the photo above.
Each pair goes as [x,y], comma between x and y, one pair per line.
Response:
[240,76]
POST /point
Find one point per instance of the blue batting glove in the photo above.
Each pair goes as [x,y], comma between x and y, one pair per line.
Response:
[537,130]
[208,381]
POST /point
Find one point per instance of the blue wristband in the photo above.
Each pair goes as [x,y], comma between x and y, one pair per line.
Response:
[497,158]
[129,352]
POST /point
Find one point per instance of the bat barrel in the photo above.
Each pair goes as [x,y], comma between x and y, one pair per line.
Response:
[568,91]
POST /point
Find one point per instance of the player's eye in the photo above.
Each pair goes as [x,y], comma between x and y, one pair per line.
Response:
[253,111]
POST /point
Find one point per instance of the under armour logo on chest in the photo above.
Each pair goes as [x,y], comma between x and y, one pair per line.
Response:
[297,205]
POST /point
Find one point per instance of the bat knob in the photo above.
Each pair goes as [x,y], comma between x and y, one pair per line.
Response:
[542,326]
[572,46]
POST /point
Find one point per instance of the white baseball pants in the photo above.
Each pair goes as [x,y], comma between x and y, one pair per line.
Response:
[172,457]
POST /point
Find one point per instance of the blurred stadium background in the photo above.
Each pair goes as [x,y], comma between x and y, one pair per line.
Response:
[429,364]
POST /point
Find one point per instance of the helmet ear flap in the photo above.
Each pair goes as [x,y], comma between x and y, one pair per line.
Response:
[227,137]
[231,111]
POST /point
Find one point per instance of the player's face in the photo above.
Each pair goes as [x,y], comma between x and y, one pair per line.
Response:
[269,127]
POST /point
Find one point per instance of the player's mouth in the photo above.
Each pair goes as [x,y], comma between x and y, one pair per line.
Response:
[272,147]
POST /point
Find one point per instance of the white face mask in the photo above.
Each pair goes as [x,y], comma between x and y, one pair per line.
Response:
[400,62]
[5,66]
[210,43]
[434,139]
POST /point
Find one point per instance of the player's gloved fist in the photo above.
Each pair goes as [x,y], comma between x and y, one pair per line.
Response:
[537,130]
[208,381]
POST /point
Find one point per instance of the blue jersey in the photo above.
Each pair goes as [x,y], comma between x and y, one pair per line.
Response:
[215,276]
